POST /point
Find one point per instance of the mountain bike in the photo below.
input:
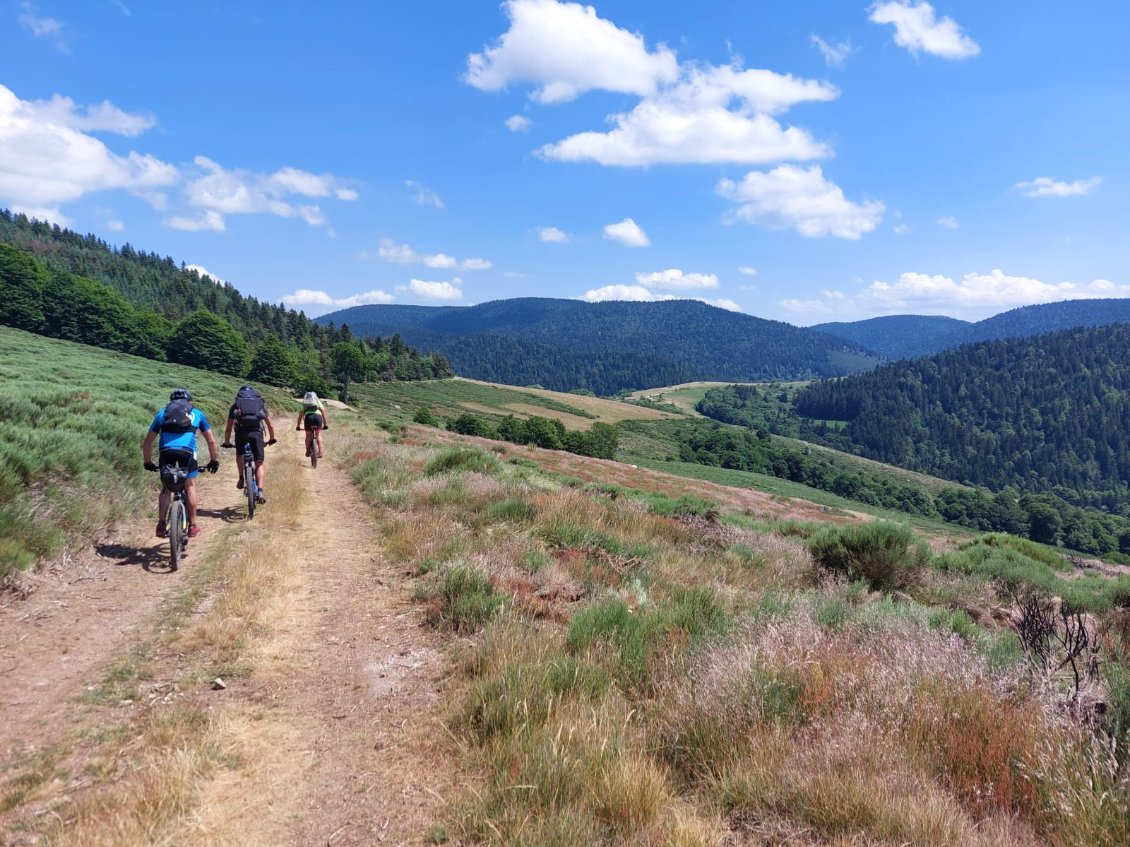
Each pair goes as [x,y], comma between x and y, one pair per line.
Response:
[312,444]
[173,477]
[250,486]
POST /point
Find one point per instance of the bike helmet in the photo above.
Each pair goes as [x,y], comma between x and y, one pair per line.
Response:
[310,397]
[180,394]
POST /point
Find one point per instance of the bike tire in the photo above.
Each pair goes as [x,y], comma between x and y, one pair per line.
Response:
[177,536]
[250,487]
[314,455]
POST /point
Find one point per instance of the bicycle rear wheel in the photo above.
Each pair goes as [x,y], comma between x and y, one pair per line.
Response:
[249,486]
[176,526]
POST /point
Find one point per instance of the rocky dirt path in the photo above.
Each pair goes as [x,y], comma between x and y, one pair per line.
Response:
[336,724]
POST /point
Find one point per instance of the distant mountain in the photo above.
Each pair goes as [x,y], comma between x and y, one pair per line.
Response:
[608,347]
[910,336]
[900,336]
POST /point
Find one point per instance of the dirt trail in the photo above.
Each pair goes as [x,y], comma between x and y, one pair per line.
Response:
[340,737]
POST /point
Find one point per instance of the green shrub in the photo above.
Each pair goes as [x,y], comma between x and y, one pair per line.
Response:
[424,416]
[462,459]
[887,555]
[514,510]
[466,600]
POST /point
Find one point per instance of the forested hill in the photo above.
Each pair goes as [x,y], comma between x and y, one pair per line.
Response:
[908,336]
[609,347]
[58,283]
[1048,413]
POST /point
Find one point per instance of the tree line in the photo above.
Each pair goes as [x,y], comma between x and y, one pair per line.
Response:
[600,440]
[42,297]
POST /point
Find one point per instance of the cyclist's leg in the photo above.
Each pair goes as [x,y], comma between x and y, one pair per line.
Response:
[163,504]
[190,495]
[318,435]
[255,439]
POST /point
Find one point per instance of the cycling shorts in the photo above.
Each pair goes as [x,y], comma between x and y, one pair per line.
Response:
[313,420]
[181,458]
[254,437]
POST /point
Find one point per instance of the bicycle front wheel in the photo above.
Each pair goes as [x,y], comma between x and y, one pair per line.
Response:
[249,486]
[176,525]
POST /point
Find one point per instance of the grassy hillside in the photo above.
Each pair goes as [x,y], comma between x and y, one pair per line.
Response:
[645,668]
[72,418]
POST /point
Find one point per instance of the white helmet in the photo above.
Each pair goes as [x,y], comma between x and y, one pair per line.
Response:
[310,397]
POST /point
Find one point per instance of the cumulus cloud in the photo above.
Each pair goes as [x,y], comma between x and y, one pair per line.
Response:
[50,158]
[424,196]
[1044,186]
[203,271]
[315,302]
[208,221]
[919,31]
[713,115]
[948,222]
[643,294]
[553,235]
[973,297]
[565,49]
[688,112]
[434,290]
[633,293]
[628,233]
[219,192]
[834,54]
[674,279]
[403,254]
[802,199]
[518,123]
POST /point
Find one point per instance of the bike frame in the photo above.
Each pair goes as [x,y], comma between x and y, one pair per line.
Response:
[176,519]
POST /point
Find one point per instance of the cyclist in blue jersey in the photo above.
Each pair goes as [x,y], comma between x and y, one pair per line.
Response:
[176,426]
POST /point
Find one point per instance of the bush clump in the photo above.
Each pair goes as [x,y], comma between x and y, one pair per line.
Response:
[887,556]
[461,459]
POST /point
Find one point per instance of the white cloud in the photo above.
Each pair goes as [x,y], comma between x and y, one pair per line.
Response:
[800,198]
[48,159]
[319,302]
[553,235]
[975,296]
[918,30]
[41,27]
[403,254]
[948,222]
[203,271]
[1047,187]
[565,49]
[633,293]
[723,303]
[208,221]
[628,233]
[747,270]
[834,54]
[674,279]
[901,229]
[114,225]
[641,294]
[518,123]
[424,196]
[434,290]
[221,192]
[713,115]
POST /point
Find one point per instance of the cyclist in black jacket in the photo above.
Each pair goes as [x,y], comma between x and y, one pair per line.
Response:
[247,415]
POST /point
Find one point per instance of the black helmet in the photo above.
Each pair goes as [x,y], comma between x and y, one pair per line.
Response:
[180,394]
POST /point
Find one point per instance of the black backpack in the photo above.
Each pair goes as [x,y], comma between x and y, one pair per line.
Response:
[178,417]
[249,409]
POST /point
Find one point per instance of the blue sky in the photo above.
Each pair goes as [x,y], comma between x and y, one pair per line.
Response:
[806,161]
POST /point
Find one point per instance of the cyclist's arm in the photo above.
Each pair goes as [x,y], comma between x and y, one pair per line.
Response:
[325,417]
[298,420]
[147,446]
[227,431]
[213,447]
[270,426]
